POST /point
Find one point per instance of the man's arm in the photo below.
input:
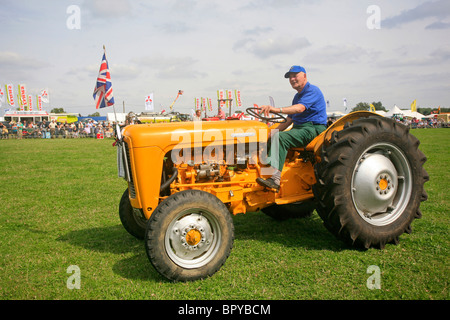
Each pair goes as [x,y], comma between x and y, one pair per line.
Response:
[296,108]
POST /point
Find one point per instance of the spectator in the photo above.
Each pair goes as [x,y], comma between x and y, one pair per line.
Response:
[221,114]
[52,127]
[198,115]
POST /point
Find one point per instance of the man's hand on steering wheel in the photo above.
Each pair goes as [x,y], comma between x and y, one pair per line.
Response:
[263,113]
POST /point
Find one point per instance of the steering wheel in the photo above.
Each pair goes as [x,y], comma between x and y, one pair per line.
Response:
[278,116]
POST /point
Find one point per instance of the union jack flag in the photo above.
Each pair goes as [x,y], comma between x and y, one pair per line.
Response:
[103,93]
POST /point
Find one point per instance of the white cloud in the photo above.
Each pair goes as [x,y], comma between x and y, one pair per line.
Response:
[431,9]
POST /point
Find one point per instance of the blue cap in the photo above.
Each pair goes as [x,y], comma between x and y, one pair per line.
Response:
[295,69]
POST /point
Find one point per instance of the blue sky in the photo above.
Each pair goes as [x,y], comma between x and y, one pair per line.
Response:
[203,46]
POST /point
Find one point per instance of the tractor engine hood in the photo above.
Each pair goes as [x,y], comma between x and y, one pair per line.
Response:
[199,133]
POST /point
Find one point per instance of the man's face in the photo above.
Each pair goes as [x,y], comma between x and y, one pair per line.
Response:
[297,80]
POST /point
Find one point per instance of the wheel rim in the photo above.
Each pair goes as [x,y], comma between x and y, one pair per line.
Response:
[192,238]
[381,184]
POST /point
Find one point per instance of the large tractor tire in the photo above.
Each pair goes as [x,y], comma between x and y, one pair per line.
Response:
[189,236]
[132,220]
[370,182]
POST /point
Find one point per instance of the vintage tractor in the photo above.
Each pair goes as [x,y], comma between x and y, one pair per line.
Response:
[364,176]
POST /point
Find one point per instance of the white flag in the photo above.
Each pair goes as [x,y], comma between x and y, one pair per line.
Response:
[2,95]
[45,96]
[149,102]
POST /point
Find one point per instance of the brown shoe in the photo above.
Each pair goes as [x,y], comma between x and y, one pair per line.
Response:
[268,183]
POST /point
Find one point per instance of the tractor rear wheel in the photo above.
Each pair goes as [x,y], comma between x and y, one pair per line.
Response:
[189,236]
[370,182]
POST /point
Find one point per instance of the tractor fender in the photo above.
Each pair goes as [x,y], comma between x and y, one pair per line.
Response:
[316,144]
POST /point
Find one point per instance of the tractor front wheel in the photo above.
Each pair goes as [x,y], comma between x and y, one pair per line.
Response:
[189,236]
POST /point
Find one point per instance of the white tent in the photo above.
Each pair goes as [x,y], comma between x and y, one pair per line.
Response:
[395,110]
[404,113]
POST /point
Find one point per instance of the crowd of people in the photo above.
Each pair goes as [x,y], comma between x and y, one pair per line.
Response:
[53,129]
[91,129]
[416,123]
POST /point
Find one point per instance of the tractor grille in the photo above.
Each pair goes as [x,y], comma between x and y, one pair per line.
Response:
[129,174]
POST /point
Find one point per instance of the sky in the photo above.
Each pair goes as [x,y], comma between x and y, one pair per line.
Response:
[362,51]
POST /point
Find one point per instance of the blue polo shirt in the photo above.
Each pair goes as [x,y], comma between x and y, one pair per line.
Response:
[316,108]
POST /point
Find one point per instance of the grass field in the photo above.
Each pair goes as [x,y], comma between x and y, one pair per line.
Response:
[59,207]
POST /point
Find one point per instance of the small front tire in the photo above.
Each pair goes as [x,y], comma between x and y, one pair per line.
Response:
[189,236]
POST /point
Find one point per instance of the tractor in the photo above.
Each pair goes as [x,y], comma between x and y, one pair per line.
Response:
[363,175]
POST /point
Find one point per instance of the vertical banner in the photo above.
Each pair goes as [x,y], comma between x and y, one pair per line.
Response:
[10,95]
[210,104]
[149,102]
[204,103]
[414,106]
[45,96]
[221,97]
[23,97]
[39,102]
[2,96]
[30,103]
[230,97]
[238,98]
[197,103]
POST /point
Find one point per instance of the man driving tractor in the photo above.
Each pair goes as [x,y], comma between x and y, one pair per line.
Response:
[308,116]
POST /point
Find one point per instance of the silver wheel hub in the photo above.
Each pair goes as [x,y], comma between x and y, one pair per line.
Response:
[191,240]
[381,184]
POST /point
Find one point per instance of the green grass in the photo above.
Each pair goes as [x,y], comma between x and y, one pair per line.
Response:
[59,207]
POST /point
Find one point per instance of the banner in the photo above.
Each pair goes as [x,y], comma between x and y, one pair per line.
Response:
[23,97]
[10,95]
[2,96]
[39,102]
[414,106]
[210,104]
[197,103]
[204,103]
[45,96]
[149,102]
[30,103]
[237,93]
[230,98]
[221,97]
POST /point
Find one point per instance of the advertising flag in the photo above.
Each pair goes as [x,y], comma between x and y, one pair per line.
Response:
[103,93]
[10,95]
[2,96]
[39,102]
[197,103]
[44,95]
[204,103]
[23,97]
[221,97]
[30,103]
[149,102]
[238,98]
[414,106]
[210,104]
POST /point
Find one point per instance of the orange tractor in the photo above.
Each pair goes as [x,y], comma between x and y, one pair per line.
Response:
[364,176]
